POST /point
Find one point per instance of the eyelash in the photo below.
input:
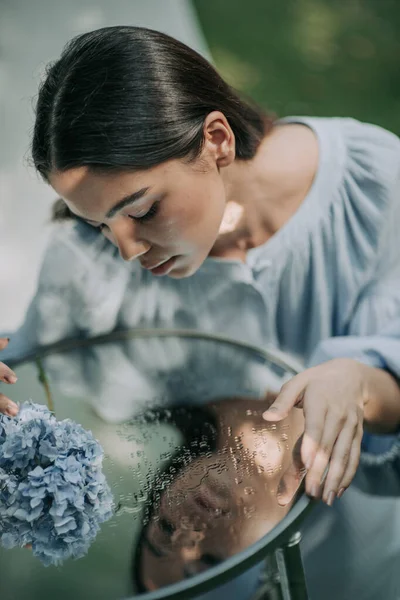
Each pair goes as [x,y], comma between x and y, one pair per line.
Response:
[150,213]
[146,217]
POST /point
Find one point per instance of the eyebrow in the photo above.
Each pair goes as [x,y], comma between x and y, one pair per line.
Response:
[125,201]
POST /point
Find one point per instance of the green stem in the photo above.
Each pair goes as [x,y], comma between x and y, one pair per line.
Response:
[44,381]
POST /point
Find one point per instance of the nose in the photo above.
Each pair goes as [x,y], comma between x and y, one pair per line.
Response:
[129,244]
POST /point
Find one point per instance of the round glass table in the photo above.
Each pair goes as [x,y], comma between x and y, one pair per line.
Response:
[208,497]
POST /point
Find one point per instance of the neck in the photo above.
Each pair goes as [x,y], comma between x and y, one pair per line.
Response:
[252,196]
[264,192]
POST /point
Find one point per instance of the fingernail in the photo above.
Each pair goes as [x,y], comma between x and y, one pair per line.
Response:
[12,410]
[315,490]
[331,498]
[11,378]
[341,492]
[271,413]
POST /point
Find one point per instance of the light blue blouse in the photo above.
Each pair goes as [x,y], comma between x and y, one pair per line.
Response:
[327,284]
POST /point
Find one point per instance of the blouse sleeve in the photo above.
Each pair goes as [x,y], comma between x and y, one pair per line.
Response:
[373,329]
[370,226]
[50,316]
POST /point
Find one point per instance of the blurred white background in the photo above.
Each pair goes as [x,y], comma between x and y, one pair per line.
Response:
[31,34]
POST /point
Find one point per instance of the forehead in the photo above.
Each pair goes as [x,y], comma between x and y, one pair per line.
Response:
[89,193]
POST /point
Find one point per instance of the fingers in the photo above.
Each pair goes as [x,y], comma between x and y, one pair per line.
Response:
[7,406]
[353,462]
[333,428]
[339,461]
[319,440]
[3,343]
[270,397]
[289,396]
[6,374]
[314,423]
[339,457]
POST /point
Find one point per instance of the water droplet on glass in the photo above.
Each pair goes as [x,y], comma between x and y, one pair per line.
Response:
[249,511]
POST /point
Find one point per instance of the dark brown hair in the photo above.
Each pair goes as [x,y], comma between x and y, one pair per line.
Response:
[131,98]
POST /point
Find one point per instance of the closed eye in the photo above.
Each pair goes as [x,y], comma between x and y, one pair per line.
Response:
[153,210]
[149,215]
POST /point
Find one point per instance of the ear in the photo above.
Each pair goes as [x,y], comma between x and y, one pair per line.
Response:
[219,139]
[292,478]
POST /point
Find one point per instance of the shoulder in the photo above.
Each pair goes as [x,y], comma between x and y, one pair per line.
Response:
[366,207]
[372,157]
[353,210]
[292,154]
[370,190]
[358,170]
[352,146]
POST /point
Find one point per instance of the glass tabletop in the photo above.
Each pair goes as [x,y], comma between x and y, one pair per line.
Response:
[203,488]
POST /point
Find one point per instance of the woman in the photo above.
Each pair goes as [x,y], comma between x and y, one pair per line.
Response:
[280,232]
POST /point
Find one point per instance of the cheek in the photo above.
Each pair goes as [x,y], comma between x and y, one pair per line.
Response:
[170,228]
[202,207]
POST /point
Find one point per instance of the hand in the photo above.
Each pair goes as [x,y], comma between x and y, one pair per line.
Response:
[333,397]
[7,406]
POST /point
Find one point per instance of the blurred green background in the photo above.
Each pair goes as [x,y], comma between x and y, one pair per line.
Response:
[315,57]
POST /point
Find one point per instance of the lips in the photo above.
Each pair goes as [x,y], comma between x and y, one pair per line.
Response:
[164,267]
[155,265]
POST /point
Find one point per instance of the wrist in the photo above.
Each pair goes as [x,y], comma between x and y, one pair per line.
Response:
[381,400]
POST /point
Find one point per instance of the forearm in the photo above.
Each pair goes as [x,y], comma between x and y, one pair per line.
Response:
[382,401]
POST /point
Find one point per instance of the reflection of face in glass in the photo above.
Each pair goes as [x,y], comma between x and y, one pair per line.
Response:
[226,498]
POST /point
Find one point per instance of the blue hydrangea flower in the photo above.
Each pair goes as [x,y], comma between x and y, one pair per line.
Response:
[53,493]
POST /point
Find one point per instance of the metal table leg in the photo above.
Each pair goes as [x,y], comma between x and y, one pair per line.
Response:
[283,577]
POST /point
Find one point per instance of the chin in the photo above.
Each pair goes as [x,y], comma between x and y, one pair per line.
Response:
[185,270]
[181,273]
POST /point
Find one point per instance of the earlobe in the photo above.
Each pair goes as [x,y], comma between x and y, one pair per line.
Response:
[225,160]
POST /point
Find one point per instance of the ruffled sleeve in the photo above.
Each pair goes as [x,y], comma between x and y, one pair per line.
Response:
[371,228]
